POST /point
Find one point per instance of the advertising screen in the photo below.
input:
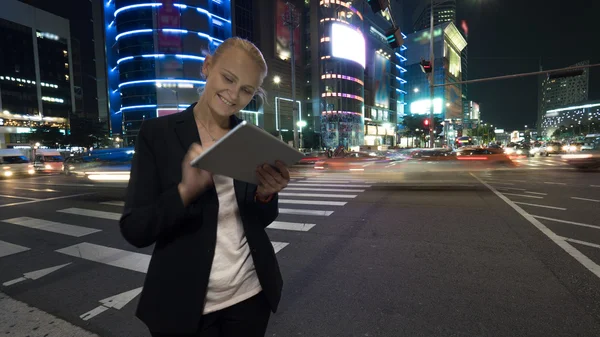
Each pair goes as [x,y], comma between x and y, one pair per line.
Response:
[283,37]
[347,43]
[422,107]
[474,110]
[381,81]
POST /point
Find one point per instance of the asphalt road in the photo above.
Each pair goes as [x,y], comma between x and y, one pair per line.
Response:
[394,254]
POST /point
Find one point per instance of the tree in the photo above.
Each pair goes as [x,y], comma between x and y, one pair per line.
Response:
[47,136]
[88,132]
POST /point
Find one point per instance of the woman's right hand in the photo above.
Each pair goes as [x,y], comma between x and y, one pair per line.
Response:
[194,181]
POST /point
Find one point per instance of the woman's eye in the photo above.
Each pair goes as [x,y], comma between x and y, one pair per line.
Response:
[248,91]
[227,79]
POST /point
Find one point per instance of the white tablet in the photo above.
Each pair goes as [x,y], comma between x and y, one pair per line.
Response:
[242,150]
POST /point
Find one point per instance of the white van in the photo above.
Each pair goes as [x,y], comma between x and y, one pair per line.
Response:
[14,163]
[48,161]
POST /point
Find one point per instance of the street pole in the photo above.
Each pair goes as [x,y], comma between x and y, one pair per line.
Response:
[431,80]
[291,20]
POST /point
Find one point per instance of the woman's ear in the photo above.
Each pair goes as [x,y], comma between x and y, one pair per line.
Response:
[206,65]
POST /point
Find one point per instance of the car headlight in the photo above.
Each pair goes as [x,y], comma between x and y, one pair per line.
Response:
[549,148]
[519,152]
[565,148]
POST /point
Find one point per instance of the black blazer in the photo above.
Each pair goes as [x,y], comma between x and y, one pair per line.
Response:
[174,291]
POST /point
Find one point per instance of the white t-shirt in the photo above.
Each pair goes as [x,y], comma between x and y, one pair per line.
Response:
[233,278]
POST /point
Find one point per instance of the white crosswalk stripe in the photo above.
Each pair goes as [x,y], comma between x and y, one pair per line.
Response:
[92,213]
[51,226]
[7,248]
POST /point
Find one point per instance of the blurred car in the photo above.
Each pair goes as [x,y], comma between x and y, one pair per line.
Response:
[312,157]
[538,149]
[14,163]
[585,161]
[572,147]
[106,167]
[349,161]
[489,155]
[554,148]
[48,161]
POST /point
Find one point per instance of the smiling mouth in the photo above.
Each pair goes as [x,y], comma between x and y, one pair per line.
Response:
[225,101]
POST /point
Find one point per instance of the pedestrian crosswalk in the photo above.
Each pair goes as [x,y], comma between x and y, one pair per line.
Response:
[303,205]
[538,163]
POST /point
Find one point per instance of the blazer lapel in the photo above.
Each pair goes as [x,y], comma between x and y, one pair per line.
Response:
[186,129]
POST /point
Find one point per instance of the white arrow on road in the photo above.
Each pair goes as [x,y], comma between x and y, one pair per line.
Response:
[115,302]
[34,275]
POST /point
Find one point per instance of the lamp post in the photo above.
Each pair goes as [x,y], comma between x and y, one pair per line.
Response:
[432,77]
[292,21]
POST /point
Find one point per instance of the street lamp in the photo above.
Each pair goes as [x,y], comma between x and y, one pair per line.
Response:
[276,79]
[416,90]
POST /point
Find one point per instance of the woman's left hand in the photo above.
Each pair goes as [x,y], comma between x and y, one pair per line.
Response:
[271,181]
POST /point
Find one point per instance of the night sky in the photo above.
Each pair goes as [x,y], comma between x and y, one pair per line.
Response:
[510,36]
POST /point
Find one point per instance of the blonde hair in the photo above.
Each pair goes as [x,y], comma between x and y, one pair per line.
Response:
[253,52]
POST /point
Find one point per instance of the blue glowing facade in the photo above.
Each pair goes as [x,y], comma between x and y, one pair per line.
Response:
[155,51]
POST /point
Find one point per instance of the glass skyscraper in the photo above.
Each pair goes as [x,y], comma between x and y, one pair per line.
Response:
[155,51]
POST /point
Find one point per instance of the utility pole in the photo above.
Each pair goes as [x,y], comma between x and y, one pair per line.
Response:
[292,21]
[431,80]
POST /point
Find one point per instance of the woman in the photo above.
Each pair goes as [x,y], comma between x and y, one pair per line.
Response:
[213,271]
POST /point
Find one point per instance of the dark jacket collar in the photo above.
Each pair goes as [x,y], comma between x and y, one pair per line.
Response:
[187,130]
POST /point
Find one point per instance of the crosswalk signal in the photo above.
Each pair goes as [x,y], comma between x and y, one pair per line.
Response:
[426,123]
[394,37]
[426,66]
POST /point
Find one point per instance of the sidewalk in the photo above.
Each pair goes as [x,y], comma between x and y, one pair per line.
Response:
[20,320]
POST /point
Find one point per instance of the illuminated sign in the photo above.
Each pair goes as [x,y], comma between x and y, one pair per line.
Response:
[423,106]
[347,43]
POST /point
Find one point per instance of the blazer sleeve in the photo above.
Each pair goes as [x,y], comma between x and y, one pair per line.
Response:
[267,212]
[149,212]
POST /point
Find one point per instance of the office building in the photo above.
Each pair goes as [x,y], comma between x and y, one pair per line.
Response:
[155,51]
[384,81]
[578,119]
[36,73]
[87,45]
[262,22]
[444,11]
[447,102]
[561,92]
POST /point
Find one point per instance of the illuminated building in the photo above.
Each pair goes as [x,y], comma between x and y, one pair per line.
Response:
[444,11]
[448,104]
[580,118]
[385,83]
[155,52]
[36,77]
[561,92]
[355,82]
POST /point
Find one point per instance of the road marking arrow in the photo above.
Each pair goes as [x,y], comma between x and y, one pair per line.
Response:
[34,275]
[115,302]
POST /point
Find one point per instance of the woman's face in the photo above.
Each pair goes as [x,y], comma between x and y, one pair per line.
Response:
[231,81]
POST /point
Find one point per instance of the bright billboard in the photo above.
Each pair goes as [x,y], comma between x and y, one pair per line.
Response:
[347,43]
[381,81]
[423,106]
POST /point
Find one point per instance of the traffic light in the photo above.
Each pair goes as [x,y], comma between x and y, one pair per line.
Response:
[426,123]
[565,74]
[426,66]
[394,37]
